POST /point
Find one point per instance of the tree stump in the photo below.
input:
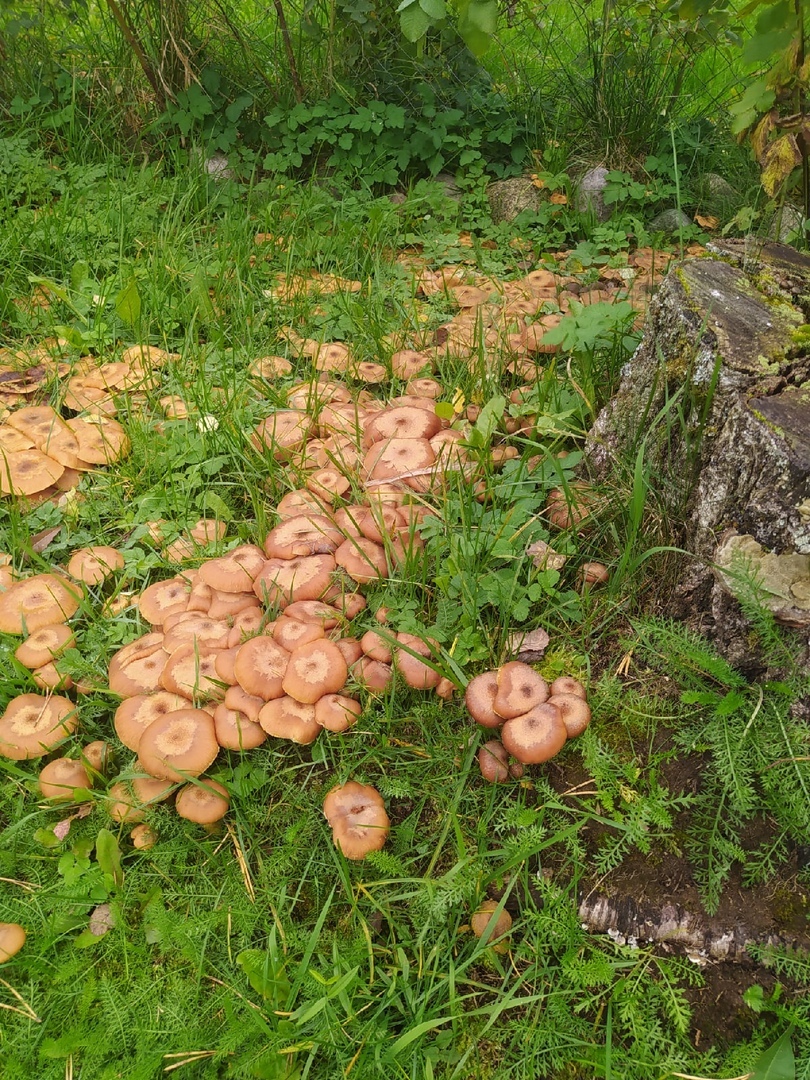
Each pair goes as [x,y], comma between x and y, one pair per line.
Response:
[718,397]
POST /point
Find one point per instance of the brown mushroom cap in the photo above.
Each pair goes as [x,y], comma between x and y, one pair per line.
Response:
[60,778]
[143,837]
[362,559]
[536,736]
[566,684]
[235,571]
[191,672]
[130,799]
[203,803]
[520,688]
[337,713]
[479,697]
[12,939]
[179,745]
[484,921]
[372,674]
[416,673]
[138,671]
[594,573]
[376,646]
[283,581]
[27,472]
[32,725]
[575,712]
[134,715]
[290,633]
[92,565]
[163,598]
[308,534]
[357,815]
[313,670]
[260,666]
[44,645]
[37,601]
[286,718]
[235,731]
[96,755]
[494,763]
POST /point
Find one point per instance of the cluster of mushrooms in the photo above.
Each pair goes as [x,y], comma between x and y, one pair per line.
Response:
[535,719]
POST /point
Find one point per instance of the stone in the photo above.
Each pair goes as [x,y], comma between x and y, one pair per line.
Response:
[510,197]
[671,221]
[787,224]
[718,396]
[590,196]
[781,583]
[718,188]
[448,182]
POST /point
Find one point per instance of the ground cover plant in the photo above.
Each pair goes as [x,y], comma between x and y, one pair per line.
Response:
[258,949]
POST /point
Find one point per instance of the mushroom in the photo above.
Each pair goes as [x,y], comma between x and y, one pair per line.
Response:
[520,688]
[493,761]
[485,925]
[235,731]
[96,755]
[594,573]
[59,779]
[44,645]
[143,837]
[32,725]
[37,601]
[416,673]
[357,815]
[92,565]
[12,939]
[181,744]
[337,713]
[479,697]
[203,803]
[259,668]
[129,800]
[286,718]
[313,670]
[574,710]
[565,684]
[536,736]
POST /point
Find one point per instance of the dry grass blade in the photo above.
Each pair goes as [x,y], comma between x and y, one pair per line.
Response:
[189,1058]
[243,866]
[26,1009]
[30,886]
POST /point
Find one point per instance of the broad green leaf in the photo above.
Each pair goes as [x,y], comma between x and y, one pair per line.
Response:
[436,9]
[444,410]
[414,23]
[108,854]
[128,303]
[482,15]
[777,1063]
[78,275]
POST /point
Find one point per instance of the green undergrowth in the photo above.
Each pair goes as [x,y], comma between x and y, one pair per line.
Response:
[258,950]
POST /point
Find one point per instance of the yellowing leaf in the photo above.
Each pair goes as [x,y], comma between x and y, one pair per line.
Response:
[781,158]
[760,134]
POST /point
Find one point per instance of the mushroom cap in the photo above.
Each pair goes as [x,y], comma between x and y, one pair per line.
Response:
[376,647]
[357,815]
[283,581]
[234,572]
[394,458]
[290,633]
[195,629]
[402,422]
[191,672]
[138,670]
[350,649]
[286,718]
[362,559]
[179,745]
[60,778]
[313,670]
[575,712]
[203,803]
[493,761]
[44,645]
[283,432]
[520,688]
[240,700]
[336,712]
[307,534]
[479,697]
[594,573]
[163,598]
[484,921]
[313,611]
[12,939]
[134,715]
[27,472]
[415,673]
[92,565]
[260,666]
[143,837]
[37,601]
[96,755]
[235,731]
[566,684]
[374,675]
[32,725]
[536,736]
[130,799]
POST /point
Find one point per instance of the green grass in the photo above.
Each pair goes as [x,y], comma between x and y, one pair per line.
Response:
[258,951]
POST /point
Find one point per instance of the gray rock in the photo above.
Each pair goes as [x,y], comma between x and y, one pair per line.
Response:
[508,198]
[590,197]
[787,225]
[720,340]
[448,182]
[217,167]
[717,188]
[671,221]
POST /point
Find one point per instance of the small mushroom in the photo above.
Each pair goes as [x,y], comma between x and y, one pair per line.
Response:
[12,939]
[32,725]
[494,763]
[59,779]
[179,745]
[479,697]
[204,802]
[143,837]
[593,573]
[575,712]
[520,688]
[566,684]
[484,923]
[357,815]
[313,670]
[536,736]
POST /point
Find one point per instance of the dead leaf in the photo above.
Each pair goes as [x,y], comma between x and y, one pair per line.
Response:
[62,828]
[559,198]
[101,920]
[43,539]
[707,221]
